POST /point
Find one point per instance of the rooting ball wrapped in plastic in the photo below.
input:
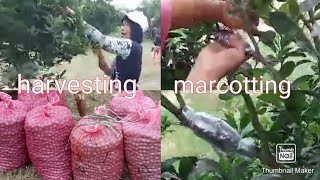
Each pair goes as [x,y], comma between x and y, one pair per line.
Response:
[47,130]
[97,151]
[121,105]
[13,149]
[142,144]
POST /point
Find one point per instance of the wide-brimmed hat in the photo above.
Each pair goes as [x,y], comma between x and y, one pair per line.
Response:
[139,18]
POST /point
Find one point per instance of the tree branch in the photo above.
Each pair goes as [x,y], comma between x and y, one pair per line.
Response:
[169,106]
[180,100]
[257,54]
[266,156]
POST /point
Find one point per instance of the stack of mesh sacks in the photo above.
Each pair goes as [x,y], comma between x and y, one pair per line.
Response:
[33,100]
[47,129]
[97,149]
[141,131]
[13,149]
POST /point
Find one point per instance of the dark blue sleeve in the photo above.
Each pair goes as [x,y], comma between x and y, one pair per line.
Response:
[157,40]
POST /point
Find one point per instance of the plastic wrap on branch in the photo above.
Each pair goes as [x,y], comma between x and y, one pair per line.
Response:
[33,100]
[97,150]
[222,36]
[47,136]
[142,144]
[217,132]
[120,105]
[13,149]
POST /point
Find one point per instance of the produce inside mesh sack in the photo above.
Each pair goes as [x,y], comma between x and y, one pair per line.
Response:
[121,105]
[142,139]
[13,149]
[47,135]
[97,150]
[33,100]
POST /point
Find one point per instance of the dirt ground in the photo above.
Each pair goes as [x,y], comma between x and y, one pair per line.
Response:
[93,100]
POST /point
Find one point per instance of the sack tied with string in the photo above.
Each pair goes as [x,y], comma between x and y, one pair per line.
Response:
[13,149]
[47,130]
[121,105]
[142,144]
[33,100]
[97,150]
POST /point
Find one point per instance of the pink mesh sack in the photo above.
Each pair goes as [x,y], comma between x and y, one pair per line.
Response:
[97,150]
[142,143]
[47,135]
[33,100]
[120,105]
[13,149]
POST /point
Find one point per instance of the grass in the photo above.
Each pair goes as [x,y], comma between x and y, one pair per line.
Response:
[93,100]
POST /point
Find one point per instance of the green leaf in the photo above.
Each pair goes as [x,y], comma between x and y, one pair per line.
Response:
[244,118]
[261,6]
[262,111]
[283,24]
[314,128]
[294,8]
[272,98]
[296,101]
[287,69]
[231,120]
[226,96]
[174,35]
[169,176]
[294,54]
[186,165]
[167,165]
[302,62]
[276,137]
[302,82]
[267,36]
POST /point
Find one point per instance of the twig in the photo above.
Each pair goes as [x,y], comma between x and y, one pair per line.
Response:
[182,103]
[266,155]
[169,106]
[312,21]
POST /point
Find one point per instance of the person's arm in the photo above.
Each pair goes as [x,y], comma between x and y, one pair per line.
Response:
[119,46]
[177,14]
[195,11]
[187,13]
[103,65]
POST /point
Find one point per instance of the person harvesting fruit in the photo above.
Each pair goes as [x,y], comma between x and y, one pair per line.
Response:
[215,60]
[128,48]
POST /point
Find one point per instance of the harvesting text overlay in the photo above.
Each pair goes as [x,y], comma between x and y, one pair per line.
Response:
[73,86]
[248,86]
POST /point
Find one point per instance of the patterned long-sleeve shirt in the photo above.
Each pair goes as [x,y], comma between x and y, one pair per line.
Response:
[121,47]
[127,65]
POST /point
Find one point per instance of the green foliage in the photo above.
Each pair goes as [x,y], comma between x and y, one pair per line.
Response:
[40,32]
[101,15]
